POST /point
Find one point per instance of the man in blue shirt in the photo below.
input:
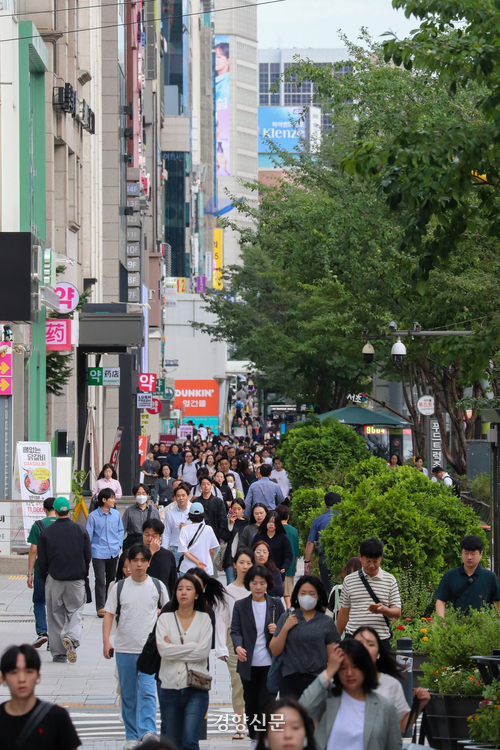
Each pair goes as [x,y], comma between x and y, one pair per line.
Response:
[318,525]
[105,529]
[264,491]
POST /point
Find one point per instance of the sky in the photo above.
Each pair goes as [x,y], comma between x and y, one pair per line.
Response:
[314,23]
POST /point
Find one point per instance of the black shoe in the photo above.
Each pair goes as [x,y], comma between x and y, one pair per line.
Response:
[60,658]
[40,640]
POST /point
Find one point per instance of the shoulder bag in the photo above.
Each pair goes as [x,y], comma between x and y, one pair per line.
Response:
[373,595]
[195,679]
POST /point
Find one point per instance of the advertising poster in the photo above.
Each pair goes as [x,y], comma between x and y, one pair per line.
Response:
[197,398]
[277,123]
[33,475]
[222,97]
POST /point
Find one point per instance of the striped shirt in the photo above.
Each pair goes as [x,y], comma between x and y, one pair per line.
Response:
[355,596]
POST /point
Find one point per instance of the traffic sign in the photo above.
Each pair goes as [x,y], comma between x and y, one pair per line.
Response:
[147,382]
[156,408]
[95,376]
[144,400]
[111,376]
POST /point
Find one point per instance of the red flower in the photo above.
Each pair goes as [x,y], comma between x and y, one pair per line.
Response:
[400,627]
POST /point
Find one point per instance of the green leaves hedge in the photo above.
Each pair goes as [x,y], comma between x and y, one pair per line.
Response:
[313,448]
[420,522]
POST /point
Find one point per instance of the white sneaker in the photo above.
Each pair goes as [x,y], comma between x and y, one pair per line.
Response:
[150,736]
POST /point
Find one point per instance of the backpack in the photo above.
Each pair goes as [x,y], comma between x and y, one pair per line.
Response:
[119,587]
[455,487]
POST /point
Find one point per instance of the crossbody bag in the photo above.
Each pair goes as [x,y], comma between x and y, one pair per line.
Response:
[195,679]
[193,540]
[373,595]
[463,589]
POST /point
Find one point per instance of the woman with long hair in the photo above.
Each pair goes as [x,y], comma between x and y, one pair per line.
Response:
[394,461]
[209,464]
[247,475]
[286,727]
[264,556]
[107,479]
[253,624]
[259,512]
[256,461]
[349,711]
[231,529]
[164,485]
[183,638]
[271,530]
[220,482]
[389,675]
[305,624]
[243,561]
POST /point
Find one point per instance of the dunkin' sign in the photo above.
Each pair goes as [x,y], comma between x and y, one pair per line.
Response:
[197,398]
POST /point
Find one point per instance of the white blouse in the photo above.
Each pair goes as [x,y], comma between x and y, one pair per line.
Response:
[224,615]
[175,655]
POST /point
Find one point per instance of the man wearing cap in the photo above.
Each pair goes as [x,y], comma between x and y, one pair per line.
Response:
[197,542]
[64,555]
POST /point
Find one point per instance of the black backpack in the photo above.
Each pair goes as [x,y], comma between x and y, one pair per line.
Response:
[455,486]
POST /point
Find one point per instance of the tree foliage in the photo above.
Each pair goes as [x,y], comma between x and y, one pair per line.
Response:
[420,522]
[313,447]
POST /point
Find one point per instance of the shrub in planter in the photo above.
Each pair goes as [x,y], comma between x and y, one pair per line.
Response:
[420,522]
[419,629]
[313,448]
[484,725]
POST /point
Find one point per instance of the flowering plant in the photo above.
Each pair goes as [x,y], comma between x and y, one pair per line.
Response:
[484,725]
[453,680]
[419,629]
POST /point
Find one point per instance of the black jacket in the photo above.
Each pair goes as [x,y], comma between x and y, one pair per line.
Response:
[163,490]
[163,567]
[215,512]
[64,551]
[280,547]
[227,535]
[244,630]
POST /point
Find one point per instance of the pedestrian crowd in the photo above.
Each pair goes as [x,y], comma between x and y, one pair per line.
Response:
[324,648]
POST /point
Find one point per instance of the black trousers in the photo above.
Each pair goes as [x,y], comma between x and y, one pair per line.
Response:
[324,572]
[105,572]
[293,685]
[257,700]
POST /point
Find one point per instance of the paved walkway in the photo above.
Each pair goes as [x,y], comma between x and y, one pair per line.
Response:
[88,688]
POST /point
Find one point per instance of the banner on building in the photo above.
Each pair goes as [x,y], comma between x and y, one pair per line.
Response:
[143,449]
[218,259]
[115,453]
[197,398]
[281,125]
[222,98]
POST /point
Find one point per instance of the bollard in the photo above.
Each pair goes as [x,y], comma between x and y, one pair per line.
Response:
[404,655]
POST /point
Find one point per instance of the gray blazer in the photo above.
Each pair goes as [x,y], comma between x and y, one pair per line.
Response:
[381,730]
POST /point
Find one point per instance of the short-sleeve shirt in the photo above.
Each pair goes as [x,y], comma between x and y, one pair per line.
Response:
[35,534]
[205,541]
[54,732]
[305,649]
[390,688]
[484,590]
[319,524]
[138,613]
[355,596]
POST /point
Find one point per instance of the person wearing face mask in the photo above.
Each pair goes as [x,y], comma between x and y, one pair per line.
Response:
[293,730]
[307,623]
[135,515]
[232,487]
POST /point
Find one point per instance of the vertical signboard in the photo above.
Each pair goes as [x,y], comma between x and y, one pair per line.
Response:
[434,449]
[217,259]
[222,97]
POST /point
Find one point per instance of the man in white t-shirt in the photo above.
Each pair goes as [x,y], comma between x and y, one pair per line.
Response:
[175,519]
[136,602]
[197,542]
[279,473]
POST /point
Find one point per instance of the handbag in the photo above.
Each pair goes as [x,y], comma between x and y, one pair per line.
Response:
[276,669]
[195,679]
[219,557]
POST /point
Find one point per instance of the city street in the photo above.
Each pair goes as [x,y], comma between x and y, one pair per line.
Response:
[88,688]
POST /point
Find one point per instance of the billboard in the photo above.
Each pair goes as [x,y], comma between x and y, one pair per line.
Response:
[222,99]
[197,398]
[218,262]
[276,123]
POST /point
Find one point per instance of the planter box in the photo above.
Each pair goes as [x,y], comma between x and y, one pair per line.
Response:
[418,675]
[447,716]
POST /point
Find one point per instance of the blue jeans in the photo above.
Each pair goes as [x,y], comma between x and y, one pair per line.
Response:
[230,574]
[39,605]
[182,715]
[138,694]
[177,555]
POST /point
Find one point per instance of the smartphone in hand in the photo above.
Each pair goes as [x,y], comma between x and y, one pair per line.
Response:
[111,653]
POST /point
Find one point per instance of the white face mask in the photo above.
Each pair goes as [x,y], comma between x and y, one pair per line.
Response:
[308,602]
